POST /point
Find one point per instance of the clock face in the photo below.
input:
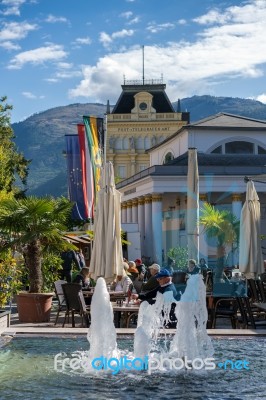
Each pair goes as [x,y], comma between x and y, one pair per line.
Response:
[143,106]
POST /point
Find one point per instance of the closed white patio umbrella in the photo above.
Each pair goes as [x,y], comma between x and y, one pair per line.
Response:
[193,205]
[107,257]
[250,252]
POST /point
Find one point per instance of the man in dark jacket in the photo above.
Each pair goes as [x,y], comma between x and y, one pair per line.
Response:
[165,285]
[68,258]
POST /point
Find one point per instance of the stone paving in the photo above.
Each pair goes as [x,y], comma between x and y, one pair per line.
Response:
[49,328]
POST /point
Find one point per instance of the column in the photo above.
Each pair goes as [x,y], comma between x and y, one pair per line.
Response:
[236,210]
[203,243]
[135,211]
[157,228]
[148,250]
[133,162]
[141,221]
[123,213]
[129,212]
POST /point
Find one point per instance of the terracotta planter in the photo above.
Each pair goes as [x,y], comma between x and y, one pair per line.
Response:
[34,307]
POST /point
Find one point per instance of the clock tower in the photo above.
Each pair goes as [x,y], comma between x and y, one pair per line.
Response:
[142,118]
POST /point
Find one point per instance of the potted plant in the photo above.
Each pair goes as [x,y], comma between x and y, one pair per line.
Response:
[35,224]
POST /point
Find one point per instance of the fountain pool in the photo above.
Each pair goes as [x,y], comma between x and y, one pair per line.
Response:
[27,372]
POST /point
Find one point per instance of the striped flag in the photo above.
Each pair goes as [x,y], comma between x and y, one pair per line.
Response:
[87,173]
[92,135]
[75,180]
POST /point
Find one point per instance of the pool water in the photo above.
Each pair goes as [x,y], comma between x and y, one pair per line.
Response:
[27,372]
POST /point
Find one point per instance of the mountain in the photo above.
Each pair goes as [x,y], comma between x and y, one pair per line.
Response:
[41,136]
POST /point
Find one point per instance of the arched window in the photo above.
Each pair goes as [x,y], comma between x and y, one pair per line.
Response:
[139,143]
[118,144]
[125,143]
[147,142]
[261,150]
[168,157]
[239,147]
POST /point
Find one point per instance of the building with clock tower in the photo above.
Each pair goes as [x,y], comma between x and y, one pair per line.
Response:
[142,118]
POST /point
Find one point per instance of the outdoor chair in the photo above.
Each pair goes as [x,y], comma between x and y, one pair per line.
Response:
[225,308]
[256,295]
[60,297]
[75,303]
[248,316]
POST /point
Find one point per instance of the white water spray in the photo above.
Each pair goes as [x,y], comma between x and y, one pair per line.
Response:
[102,333]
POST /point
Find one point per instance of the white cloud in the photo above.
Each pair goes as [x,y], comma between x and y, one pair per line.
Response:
[222,52]
[12,7]
[213,17]
[85,40]
[67,74]
[126,14]
[29,95]
[16,31]
[8,45]
[154,28]
[261,98]
[51,80]
[53,19]
[123,33]
[32,96]
[181,22]
[38,56]
[106,39]
[64,65]
[135,20]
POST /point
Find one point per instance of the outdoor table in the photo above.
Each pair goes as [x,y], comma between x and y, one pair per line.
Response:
[261,306]
[112,293]
[126,309]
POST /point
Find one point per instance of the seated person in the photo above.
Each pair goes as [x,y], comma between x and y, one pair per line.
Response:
[83,278]
[152,282]
[192,267]
[165,285]
[140,266]
[135,276]
[122,282]
[203,268]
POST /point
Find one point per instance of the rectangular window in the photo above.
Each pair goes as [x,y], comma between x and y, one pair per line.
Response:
[142,167]
[121,171]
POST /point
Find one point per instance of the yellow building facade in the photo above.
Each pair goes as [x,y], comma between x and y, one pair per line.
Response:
[142,118]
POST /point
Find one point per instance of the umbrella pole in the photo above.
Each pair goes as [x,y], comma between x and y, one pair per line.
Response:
[105,139]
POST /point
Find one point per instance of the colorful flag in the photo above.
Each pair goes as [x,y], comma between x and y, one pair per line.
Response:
[75,181]
[94,148]
[87,173]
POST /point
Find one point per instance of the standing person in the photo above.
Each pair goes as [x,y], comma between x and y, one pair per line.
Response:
[81,259]
[68,258]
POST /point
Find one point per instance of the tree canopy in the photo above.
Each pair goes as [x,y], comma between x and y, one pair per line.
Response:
[13,165]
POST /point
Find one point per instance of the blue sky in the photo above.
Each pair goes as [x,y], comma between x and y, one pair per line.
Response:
[58,52]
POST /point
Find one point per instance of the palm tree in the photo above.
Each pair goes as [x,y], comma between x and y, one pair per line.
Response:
[34,223]
[222,225]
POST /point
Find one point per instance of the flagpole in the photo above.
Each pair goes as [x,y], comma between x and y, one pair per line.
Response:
[105,139]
